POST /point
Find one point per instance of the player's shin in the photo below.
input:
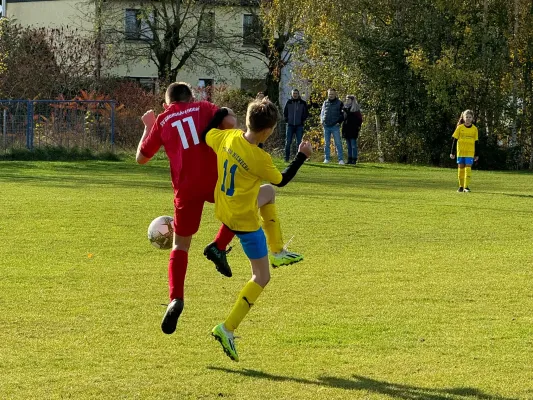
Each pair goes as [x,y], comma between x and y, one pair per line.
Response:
[468,176]
[177,268]
[224,237]
[461,176]
[272,227]
[247,297]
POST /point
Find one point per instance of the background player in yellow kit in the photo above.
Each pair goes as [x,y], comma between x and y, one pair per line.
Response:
[464,139]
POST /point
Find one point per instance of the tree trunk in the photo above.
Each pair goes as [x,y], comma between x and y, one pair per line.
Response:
[515,77]
[272,87]
[98,40]
[378,138]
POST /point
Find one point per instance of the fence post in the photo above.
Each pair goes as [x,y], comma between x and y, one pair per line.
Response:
[29,127]
[113,126]
[4,128]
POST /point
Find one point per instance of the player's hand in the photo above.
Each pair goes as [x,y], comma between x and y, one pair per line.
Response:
[476,158]
[306,148]
[148,118]
[452,156]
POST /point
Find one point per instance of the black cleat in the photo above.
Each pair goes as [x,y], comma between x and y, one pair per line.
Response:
[460,190]
[219,258]
[170,319]
[467,190]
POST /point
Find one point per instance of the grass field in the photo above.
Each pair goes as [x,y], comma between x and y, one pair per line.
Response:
[409,290]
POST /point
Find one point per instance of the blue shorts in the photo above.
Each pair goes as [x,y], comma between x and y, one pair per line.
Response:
[253,243]
[465,160]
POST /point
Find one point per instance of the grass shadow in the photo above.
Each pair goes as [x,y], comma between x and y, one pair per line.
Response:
[362,383]
[525,196]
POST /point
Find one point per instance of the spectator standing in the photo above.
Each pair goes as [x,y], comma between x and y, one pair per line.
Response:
[331,116]
[353,119]
[295,114]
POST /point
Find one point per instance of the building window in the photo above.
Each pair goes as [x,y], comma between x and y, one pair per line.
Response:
[135,27]
[251,30]
[148,84]
[206,29]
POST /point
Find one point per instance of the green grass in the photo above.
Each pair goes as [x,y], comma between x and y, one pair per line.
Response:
[409,290]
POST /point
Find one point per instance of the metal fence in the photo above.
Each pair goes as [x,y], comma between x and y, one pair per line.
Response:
[66,123]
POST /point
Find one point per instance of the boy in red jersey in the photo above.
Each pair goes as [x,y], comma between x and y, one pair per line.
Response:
[193,169]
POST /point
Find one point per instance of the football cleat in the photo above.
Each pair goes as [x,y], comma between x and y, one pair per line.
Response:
[219,258]
[460,190]
[170,319]
[284,257]
[226,340]
[467,190]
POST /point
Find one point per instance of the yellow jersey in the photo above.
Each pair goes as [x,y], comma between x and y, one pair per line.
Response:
[241,167]
[466,139]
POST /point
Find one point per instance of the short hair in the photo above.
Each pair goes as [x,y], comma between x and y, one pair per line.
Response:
[178,91]
[261,114]
[295,90]
[332,89]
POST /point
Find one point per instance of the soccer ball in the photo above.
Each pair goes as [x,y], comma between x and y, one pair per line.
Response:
[161,232]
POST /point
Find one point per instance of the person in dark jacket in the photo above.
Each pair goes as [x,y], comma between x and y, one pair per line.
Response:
[295,114]
[353,119]
[330,117]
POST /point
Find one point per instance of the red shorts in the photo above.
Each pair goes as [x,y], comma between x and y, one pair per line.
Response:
[188,214]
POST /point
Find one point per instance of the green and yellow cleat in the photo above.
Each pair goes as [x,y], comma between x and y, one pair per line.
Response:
[284,257]
[226,340]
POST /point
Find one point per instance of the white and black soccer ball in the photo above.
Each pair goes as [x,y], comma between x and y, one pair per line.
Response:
[161,232]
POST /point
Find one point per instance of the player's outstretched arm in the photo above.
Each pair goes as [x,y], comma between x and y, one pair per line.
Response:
[148,120]
[304,152]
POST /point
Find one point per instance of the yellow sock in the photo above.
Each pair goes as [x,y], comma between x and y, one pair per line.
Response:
[272,227]
[468,176]
[461,175]
[247,297]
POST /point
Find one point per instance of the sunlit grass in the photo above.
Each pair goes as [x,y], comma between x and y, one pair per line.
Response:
[408,290]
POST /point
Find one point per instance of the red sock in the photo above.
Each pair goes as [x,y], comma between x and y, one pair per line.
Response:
[177,267]
[223,237]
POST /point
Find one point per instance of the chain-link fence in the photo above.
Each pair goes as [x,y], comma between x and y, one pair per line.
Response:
[38,123]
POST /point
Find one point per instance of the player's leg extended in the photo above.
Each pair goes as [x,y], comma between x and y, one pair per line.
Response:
[468,175]
[254,245]
[187,216]
[177,268]
[272,227]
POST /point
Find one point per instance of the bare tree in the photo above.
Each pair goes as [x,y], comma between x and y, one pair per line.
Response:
[172,34]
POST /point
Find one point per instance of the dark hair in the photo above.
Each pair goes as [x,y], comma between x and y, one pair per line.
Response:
[332,89]
[295,90]
[261,114]
[178,91]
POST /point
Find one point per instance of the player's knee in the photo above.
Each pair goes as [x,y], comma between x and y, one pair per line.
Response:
[268,192]
[182,243]
[262,279]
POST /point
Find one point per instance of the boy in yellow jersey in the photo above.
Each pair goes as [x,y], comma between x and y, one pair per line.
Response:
[466,136]
[242,166]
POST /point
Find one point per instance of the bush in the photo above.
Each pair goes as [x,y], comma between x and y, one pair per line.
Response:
[51,153]
[236,99]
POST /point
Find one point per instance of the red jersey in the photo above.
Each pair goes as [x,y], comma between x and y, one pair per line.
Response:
[193,164]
